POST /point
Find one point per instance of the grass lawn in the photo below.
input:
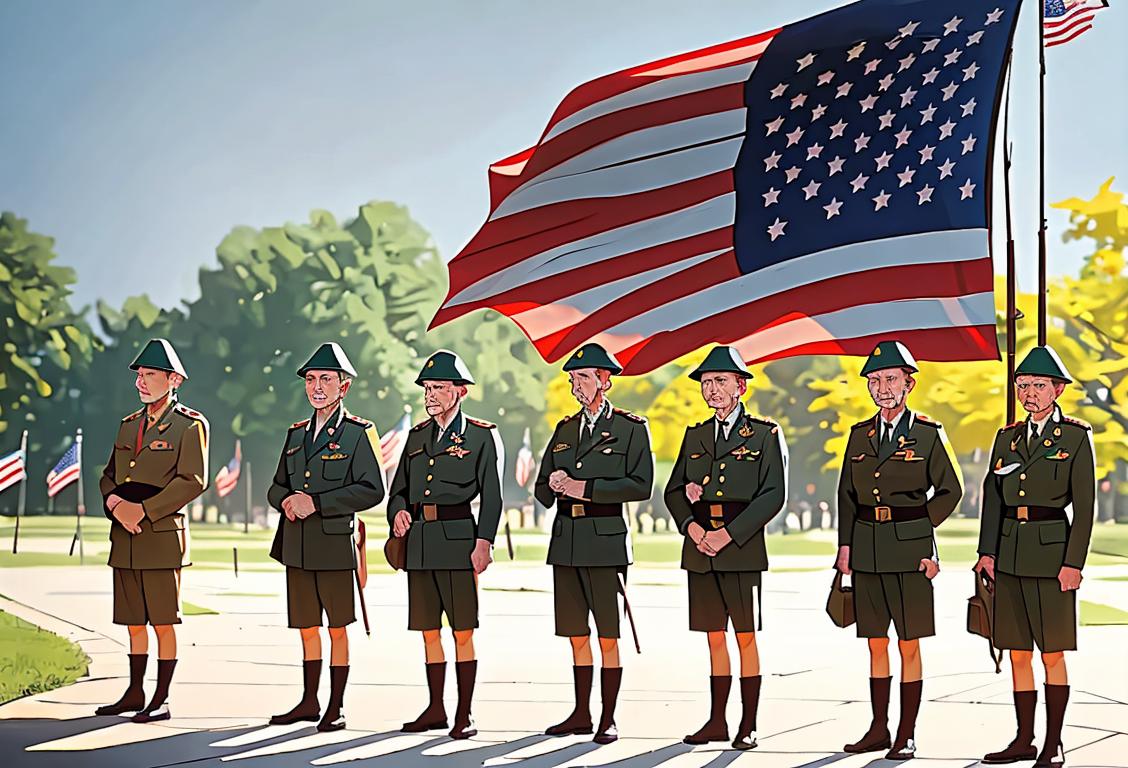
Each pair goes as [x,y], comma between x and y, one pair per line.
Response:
[33,660]
[191,609]
[1098,614]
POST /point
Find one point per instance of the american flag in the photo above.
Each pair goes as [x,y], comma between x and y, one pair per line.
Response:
[65,472]
[228,477]
[13,469]
[807,190]
[1067,19]
[391,445]
[526,464]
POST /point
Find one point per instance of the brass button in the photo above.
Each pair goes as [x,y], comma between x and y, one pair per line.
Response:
[305,485]
[721,479]
[429,477]
[431,462]
[720,493]
[722,465]
[1021,493]
[876,491]
[579,464]
[127,478]
[877,474]
[307,473]
[1022,476]
[133,463]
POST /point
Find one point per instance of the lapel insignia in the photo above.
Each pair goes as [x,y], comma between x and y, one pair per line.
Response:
[334,446]
[456,439]
[696,455]
[871,433]
[457,451]
[292,451]
[329,430]
[160,445]
[607,450]
[162,427]
[1014,446]
[1057,431]
[859,457]
[908,454]
[560,447]
[999,463]
[334,456]
[745,431]
[741,452]
[1059,456]
[605,434]
[1047,442]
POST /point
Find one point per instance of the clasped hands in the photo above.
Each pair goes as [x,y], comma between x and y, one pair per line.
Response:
[128,513]
[707,543]
[562,483]
[1069,578]
[842,563]
[298,506]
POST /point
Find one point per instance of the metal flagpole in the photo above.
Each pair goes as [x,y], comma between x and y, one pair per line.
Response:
[21,499]
[1041,173]
[80,510]
[1012,309]
[247,511]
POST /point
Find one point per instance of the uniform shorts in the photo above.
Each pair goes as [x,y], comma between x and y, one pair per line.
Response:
[903,598]
[309,594]
[432,593]
[150,596]
[1033,611]
[580,592]
[717,597]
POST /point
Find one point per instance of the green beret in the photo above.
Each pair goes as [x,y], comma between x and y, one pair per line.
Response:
[889,354]
[592,355]
[328,357]
[444,365]
[159,354]
[1043,361]
[721,360]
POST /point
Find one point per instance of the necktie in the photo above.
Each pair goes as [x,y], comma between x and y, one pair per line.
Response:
[886,431]
[1033,436]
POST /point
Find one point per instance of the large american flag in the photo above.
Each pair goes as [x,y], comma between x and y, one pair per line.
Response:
[13,469]
[1065,20]
[228,476]
[65,472]
[391,445]
[811,189]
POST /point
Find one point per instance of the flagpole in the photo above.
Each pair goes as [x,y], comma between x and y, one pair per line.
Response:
[1012,309]
[1041,174]
[247,512]
[80,510]
[21,499]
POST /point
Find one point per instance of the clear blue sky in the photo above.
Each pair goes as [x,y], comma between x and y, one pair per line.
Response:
[139,132]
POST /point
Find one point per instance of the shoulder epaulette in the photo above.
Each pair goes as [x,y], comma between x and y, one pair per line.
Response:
[632,416]
[191,413]
[926,420]
[567,418]
[421,425]
[480,423]
[357,420]
[701,424]
[299,424]
[867,423]
[1012,426]
[1076,422]
[133,415]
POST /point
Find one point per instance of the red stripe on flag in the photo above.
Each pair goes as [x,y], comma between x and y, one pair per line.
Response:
[11,476]
[63,479]
[1074,36]
[1065,29]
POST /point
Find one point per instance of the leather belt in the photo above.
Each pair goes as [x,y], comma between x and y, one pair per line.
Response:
[714,515]
[1036,514]
[883,514]
[433,512]
[588,509]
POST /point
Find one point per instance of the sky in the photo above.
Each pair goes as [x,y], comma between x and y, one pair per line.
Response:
[137,133]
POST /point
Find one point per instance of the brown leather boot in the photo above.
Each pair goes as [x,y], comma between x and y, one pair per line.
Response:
[877,737]
[434,716]
[1053,753]
[750,702]
[715,729]
[133,700]
[308,709]
[609,681]
[464,674]
[579,721]
[157,709]
[334,719]
[904,747]
[1022,748]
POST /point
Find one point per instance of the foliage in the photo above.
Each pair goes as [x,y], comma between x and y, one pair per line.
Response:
[35,660]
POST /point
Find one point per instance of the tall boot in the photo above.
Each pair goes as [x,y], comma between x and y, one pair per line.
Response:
[715,729]
[1053,753]
[750,703]
[434,716]
[334,719]
[157,708]
[1022,748]
[877,737]
[308,708]
[464,674]
[579,721]
[609,681]
[133,700]
[904,747]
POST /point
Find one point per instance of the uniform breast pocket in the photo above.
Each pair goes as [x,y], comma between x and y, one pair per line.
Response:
[123,454]
[609,526]
[337,525]
[334,469]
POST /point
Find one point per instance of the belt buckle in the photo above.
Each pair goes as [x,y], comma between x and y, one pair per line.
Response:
[716,516]
[883,514]
[1023,514]
[430,512]
[578,510]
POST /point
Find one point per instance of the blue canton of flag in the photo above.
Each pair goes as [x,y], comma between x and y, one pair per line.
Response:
[65,472]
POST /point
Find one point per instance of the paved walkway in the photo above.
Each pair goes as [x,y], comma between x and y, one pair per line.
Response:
[240,666]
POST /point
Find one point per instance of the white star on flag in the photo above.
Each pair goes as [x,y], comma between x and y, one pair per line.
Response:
[826,77]
[868,102]
[952,25]
[974,38]
[798,101]
[843,90]
[832,208]
[966,190]
[968,108]
[930,45]
[776,229]
[855,52]
[836,165]
[906,176]
[774,125]
[861,142]
[903,137]
[792,173]
[814,150]
[772,161]
[926,153]
[946,168]
[907,97]
[771,196]
[881,201]
[778,90]
[838,128]
[993,17]
[926,114]
[805,62]
[931,75]
[812,189]
[794,136]
[968,145]
[871,66]
[859,182]
[924,195]
[946,129]
[883,160]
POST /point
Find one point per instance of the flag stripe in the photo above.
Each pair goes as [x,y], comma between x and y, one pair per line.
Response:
[949,344]
[57,482]
[11,476]
[1064,30]
[1073,36]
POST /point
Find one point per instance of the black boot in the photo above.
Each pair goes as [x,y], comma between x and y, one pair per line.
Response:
[133,700]
[158,707]
[1022,748]
[308,709]
[715,729]
[434,716]
[464,674]
[904,747]
[1053,753]
[877,737]
[334,719]
[750,703]
[609,681]
[579,721]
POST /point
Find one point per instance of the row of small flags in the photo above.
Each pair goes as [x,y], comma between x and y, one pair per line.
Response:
[13,469]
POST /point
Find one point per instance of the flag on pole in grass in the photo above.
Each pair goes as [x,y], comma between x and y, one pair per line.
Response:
[13,469]
[228,477]
[65,472]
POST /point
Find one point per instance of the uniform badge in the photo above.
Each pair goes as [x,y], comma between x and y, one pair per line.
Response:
[745,431]
[560,447]
[456,439]
[333,456]
[457,451]
[999,463]
[859,457]
[909,454]
[162,427]
[871,433]
[1059,456]
[292,451]
[334,446]
[1014,446]
[160,445]
[1057,431]
[607,450]
[696,455]
[1047,442]
[605,434]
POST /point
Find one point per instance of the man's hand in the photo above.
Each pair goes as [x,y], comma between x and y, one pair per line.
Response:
[556,481]
[693,492]
[1069,578]
[129,514]
[574,489]
[482,556]
[842,562]
[930,568]
[986,565]
[112,501]
[717,540]
[695,532]
[400,523]
[301,505]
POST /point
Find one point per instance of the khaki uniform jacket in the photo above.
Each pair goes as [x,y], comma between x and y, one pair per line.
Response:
[749,468]
[1057,473]
[916,471]
[616,465]
[340,468]
[465,464]
[164,471]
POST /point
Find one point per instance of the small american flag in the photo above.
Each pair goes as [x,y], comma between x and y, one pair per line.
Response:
[228,477]
[65,472]
[1065,20]
[526,464]
[13,469]
[391,445]
[809,190]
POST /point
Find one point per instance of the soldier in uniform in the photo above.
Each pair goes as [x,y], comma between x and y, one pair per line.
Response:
[159,463]
[1033,550]
[897,484]
[448,461]
[597,459]
[729,481]
[329,471]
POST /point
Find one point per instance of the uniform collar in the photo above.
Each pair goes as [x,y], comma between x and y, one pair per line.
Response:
[724,426]
[590,421]
[340,413]
[457,425]
[1054,415]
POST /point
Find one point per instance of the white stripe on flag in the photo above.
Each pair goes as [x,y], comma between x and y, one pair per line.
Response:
[63,479]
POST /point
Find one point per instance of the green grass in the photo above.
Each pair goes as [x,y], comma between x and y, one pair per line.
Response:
[33,660]
[191,609]
[1098,614]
